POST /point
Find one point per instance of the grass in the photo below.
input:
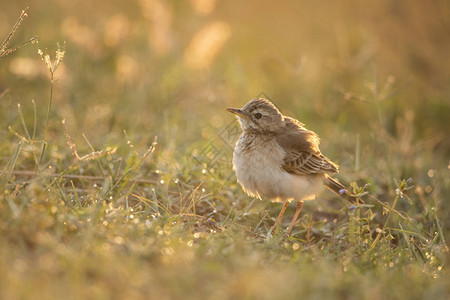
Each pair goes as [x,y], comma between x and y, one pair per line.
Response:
[93,205]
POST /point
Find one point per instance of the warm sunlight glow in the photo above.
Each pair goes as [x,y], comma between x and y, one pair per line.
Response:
[206,44]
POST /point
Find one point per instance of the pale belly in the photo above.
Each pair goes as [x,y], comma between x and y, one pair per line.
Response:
[259,173]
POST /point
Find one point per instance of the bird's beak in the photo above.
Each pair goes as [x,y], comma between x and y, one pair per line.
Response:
[237,112]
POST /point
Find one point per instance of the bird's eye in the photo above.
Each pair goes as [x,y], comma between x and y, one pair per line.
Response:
[258,116]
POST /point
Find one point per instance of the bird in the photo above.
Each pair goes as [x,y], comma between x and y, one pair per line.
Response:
[276,157]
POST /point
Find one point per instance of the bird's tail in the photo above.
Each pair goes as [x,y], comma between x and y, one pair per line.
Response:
[338,188]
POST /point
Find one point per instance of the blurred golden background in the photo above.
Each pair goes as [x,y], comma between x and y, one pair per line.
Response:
[377,69]
[344,68]
[372,78]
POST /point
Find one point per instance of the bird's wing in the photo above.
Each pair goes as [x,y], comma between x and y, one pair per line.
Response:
[304,163]
[302,151]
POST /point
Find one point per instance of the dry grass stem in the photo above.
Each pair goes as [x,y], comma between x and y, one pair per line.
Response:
[89,156]
[4,50]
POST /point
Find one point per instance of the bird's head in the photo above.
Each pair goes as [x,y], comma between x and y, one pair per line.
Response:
[259,115]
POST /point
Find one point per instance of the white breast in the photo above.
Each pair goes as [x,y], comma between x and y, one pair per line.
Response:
[258,162]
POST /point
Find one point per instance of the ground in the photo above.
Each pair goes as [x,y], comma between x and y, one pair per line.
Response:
[115,162]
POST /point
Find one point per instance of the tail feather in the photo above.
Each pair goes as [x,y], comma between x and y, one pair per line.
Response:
[340,190]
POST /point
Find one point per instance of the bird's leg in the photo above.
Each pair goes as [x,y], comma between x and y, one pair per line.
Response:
[297,212]
[279,217]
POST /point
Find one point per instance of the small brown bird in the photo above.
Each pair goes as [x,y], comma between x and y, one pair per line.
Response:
[278,158]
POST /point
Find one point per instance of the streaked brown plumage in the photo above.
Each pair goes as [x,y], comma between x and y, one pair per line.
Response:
[278,158]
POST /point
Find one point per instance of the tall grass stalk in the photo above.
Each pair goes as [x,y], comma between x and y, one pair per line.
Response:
[52,67]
